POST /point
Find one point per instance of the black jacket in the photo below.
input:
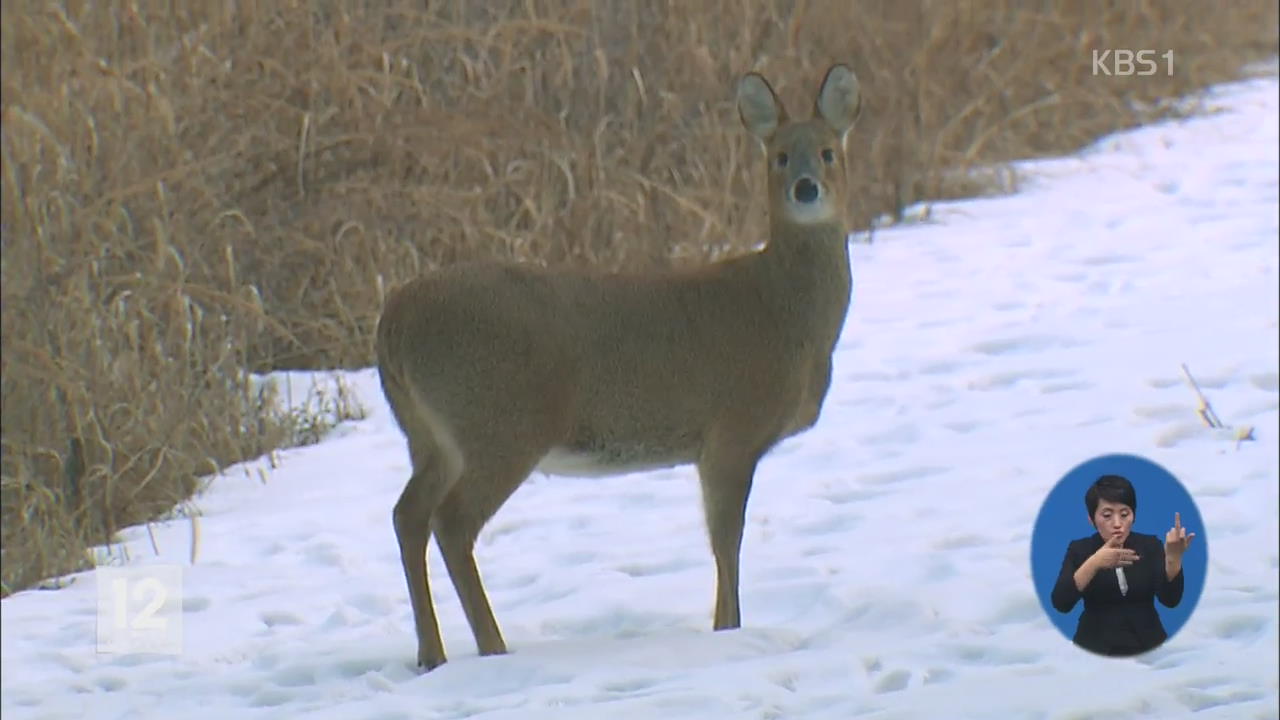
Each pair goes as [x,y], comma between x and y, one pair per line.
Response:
[1115,624]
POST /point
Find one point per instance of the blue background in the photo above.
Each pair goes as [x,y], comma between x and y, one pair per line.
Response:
[1064,518]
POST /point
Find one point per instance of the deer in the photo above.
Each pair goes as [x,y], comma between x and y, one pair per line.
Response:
[494,370]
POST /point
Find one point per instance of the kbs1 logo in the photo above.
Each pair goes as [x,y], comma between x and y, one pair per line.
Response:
[1127,63]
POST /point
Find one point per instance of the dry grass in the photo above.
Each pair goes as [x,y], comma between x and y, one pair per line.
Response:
[191,190]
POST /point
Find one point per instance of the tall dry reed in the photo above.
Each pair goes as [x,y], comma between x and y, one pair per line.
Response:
[192,190]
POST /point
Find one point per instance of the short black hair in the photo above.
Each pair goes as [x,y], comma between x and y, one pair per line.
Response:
[1112,488]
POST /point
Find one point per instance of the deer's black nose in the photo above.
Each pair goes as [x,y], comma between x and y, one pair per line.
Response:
[805,190]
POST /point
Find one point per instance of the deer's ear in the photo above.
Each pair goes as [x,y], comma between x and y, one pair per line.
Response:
[839,100]
[758,106]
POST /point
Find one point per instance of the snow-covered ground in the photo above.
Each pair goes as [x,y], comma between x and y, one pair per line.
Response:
[886,560]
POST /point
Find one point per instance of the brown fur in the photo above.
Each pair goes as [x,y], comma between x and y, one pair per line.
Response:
[494,370]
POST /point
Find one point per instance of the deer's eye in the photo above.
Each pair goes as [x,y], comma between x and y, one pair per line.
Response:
[828,156]
[782,160]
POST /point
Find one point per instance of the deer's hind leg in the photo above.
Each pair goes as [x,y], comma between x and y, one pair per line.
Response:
[498,461]
[436,467]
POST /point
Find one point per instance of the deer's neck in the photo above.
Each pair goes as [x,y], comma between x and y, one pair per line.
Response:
[815,254]
[810,267]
